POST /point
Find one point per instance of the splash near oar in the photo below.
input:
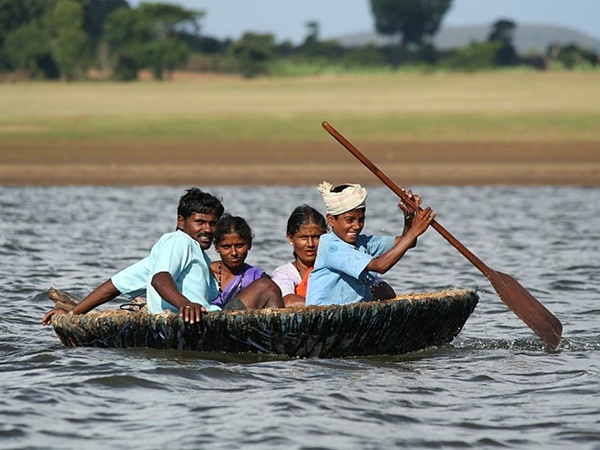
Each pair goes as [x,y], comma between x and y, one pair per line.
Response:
[514,295]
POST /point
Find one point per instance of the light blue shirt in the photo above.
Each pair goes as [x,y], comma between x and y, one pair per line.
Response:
[186,262]
[339,275]
[131,281]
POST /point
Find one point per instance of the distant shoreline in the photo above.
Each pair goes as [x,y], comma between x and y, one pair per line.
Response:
[442,129]
[409,164]
[148,176]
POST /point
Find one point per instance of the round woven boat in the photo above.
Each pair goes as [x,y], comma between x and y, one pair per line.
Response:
[405,324]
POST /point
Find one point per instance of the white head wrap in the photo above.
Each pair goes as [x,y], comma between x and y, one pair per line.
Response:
[352,197]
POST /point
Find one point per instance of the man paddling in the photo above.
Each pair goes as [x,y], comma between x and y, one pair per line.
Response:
[348,262]
[176,275]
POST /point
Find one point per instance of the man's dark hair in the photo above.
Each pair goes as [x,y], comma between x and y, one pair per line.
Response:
[197,201]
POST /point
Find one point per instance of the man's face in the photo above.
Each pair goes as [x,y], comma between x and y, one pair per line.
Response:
[200,227]
[347,226]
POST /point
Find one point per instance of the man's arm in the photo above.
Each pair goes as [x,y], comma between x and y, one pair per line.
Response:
[165,286]
[102,294]
[419,225]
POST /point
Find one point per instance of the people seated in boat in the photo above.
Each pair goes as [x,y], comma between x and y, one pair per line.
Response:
[233,241]
[176,276]
[348,262]
[304,228]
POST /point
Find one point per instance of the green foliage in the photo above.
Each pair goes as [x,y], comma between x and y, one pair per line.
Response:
[71,34]
[28,50]
[302,68]
[477,56]
[47,38]
[414,20]
[122,34]
[211,62]
[324,49]
[503,33]
[152,36]
[167,21]
[95,14]
[368,56]
[252,53]
[70,41]
[16,13]
[161,55]
[70,54]
[13,15]
[571,57]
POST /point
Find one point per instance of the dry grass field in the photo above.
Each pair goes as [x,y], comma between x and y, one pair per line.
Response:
[491,128]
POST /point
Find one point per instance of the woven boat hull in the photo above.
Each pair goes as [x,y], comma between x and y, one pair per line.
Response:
[408,323]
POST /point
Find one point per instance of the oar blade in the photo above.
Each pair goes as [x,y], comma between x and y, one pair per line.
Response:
[527,308]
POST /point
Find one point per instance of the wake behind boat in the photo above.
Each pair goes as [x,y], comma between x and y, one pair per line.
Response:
[407,323]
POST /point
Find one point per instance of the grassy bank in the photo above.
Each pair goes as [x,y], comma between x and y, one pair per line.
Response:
[423,120]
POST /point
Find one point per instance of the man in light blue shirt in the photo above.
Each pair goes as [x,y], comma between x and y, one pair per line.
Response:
[347,262]
[176,276]
[180,256]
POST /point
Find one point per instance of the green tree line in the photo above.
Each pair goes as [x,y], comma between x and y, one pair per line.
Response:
[71,39]
[66,38]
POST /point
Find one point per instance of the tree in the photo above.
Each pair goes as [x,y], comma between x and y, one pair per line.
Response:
[416,21]
[122,36]
[570,56]
[169,21]
[252,52]
[163,55]
[152,36]
[15,14]
[70,40]
[95,14]
[503,33]
[168,26]
[313,32]
[28,51]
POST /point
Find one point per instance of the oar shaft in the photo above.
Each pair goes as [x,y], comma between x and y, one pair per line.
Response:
[404,196]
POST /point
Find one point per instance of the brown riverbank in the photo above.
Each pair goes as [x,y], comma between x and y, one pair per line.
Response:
[267,163]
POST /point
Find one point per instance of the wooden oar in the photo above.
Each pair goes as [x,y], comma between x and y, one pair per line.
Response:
[515,296]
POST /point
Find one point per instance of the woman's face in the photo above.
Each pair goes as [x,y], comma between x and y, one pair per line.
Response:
[305,242]
[233,250]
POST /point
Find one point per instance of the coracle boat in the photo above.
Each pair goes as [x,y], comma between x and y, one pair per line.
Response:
[404,324]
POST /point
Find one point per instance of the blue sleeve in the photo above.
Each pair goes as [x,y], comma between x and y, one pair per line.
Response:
[378,245]
[132,280]
[172,255]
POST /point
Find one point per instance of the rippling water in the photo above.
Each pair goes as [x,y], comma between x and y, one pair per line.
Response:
[495,386]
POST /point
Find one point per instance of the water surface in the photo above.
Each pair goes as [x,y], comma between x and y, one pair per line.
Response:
[495,386]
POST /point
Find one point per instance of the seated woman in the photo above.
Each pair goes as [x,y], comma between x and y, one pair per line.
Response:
[233,241]
[348,262]
[304,228]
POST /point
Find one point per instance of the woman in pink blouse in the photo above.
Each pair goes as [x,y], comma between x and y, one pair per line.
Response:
[304,228]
